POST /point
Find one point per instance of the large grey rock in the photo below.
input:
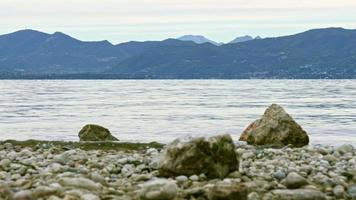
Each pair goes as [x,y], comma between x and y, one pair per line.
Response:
[298,194]
[215,157]
[227,191]
[92,132]
[276,127]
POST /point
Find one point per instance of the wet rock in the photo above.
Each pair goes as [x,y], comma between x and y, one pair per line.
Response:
[159,189]
[215,157]
[276,127]
[298,194]
[227,191]
[295,180]
[93,132]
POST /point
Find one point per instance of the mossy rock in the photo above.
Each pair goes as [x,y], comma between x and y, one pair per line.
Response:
[215,157]
[92,132]
[276,127]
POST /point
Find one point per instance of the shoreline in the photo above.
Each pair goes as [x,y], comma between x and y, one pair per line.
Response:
[120,170]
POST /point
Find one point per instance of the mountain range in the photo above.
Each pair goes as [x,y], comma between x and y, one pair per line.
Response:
[318,53]
[199,39]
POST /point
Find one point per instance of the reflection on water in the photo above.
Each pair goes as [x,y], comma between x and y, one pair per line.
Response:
[161,110]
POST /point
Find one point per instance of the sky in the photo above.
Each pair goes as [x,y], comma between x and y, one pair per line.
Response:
[141,20]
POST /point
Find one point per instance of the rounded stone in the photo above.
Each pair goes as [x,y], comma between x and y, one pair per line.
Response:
[294,180]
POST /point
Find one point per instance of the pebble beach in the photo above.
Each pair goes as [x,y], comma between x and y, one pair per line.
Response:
[61,172]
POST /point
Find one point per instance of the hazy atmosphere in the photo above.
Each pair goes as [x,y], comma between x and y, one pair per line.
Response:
[120,20]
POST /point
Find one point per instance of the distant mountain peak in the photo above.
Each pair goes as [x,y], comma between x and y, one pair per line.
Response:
[244,39]
[199,39]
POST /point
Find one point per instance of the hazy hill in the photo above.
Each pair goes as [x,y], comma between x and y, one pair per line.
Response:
[319,53]
[199,39]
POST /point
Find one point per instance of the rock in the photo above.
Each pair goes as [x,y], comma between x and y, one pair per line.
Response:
[159,189]
[253,196]
[127,170]
[339,191]
[5,192]
[351,191]
[5,163]
[279,175]
[23,195]
[89,197]
[93,132]
[298,194]
[97,178]
[181,179]
[276,127]
[346,148]
[215,157]
[227,191]
[295,180]
[44,191]
[194,177]
[79,183]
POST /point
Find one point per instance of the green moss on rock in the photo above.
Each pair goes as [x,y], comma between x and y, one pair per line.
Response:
[92,132]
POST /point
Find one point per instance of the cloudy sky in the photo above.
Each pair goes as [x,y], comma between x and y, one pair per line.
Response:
[220,20]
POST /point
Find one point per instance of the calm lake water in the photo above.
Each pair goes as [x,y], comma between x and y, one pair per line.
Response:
[162,110]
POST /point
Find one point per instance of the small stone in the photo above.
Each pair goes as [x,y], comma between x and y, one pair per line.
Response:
[298,194]
[194,178]
[44,191]
[23,195]
[295,180]
[79,183]
[89,197]
[8,146]
[159,189]
[339,191]
[346,148]
[5,163]
[5,192]
[181,179]
[279,175]
[352,191]
[227,191]
[247,155]
[127,170]
[97,177]
[141,177]
[253,196]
